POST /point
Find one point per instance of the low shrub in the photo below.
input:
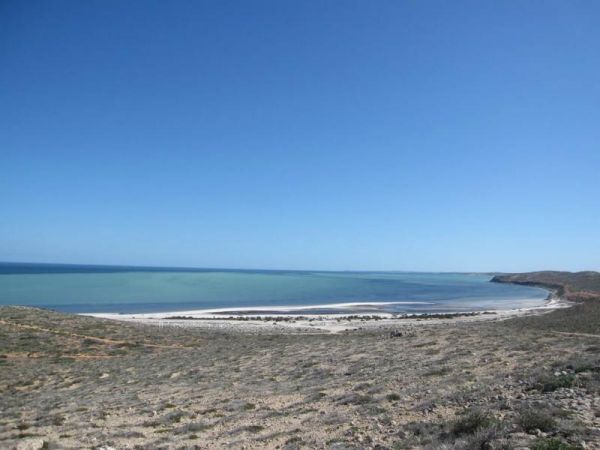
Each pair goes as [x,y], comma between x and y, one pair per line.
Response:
[550,382]
[438,371]
[553,444]
[580,365]
[482,439]
[530,419]
[471,421]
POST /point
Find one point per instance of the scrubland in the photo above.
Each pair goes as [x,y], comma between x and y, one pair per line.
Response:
[69,381]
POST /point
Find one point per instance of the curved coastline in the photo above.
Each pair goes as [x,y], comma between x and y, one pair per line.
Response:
[362,309]
[300,320]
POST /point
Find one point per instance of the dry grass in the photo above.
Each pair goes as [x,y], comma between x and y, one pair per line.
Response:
[81,382]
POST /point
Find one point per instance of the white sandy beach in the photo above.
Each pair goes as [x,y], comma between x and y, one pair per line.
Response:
[280,318]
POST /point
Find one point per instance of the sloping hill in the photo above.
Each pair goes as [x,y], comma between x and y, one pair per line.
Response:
[573,286]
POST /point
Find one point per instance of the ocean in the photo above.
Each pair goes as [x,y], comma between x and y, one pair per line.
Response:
[120,289]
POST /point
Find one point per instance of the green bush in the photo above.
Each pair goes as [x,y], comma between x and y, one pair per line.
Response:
[471,421]
[550,382]
[483,439]
[530,420]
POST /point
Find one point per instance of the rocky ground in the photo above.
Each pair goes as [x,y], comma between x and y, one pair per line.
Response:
[79,382]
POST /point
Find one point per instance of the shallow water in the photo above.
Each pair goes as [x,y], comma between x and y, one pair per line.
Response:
[137,290]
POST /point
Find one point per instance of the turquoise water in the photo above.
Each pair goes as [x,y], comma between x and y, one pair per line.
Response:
[136,290]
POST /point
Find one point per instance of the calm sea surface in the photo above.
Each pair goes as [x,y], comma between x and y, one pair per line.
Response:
[137,290]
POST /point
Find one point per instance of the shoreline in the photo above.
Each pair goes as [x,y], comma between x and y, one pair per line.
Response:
[223,319]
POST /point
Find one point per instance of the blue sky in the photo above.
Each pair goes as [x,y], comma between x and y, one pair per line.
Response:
[434,135]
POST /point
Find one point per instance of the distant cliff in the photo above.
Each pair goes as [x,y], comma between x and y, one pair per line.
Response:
[573,286]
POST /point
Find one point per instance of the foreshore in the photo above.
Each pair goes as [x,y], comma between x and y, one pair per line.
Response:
[293,320]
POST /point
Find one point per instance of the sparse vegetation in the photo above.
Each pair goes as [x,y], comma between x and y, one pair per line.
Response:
[67,380]
[573,286]
[553,444]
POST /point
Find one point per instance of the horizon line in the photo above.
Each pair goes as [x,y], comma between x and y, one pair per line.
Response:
[239,269]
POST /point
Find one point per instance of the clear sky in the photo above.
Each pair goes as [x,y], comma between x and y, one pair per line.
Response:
[399,135]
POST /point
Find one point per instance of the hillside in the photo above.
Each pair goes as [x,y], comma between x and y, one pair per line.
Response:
[69,381]
[573,286]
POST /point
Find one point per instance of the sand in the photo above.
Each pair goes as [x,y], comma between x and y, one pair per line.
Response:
[296,321]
